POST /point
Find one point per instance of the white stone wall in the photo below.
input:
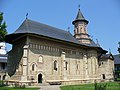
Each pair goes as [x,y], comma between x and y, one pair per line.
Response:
[2,48]
[79,66]
[106,67]
[40,55]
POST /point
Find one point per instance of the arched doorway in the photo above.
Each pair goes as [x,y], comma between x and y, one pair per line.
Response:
[40,78]
[103,75]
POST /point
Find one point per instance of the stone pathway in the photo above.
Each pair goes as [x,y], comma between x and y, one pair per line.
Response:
[50,87]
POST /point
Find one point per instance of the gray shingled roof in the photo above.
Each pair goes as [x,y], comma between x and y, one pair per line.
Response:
[116,59]
[33,27]
[80,17]
[30,26]
[107,56]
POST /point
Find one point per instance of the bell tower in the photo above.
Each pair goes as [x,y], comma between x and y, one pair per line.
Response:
[80,28]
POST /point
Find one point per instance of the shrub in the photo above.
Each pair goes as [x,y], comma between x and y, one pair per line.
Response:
[17,86]
[101,86]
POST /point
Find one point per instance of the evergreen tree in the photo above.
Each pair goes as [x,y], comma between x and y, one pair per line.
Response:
[3,27]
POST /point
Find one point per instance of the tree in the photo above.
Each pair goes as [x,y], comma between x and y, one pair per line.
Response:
[3,27]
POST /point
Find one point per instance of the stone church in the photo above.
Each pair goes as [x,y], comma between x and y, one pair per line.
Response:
[45,54]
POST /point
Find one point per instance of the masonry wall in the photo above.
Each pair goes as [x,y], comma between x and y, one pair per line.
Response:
[81,63]
[106,69]
[74,64]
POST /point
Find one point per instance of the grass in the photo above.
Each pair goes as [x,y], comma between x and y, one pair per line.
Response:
[118,79]
[77,87]
[110,86]
[12,88]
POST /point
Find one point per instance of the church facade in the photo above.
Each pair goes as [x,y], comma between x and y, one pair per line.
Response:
[45,54]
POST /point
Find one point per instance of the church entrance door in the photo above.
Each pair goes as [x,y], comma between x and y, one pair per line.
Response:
[103,76]
[40,78]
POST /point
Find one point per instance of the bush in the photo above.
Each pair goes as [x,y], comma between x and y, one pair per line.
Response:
[17,86]
[3,83]
[102,86]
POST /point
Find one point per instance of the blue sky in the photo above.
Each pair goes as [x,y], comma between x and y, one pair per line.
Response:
[103,16]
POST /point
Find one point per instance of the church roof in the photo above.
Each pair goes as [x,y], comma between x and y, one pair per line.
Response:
[107,56]
[33,27]
[80,17]
[116,59]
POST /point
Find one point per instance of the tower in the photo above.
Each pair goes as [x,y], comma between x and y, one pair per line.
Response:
[80,29]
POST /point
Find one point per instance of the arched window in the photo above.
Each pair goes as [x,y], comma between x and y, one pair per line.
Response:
[66,65]
[40,59]
[33,67]
[77,66]
[55,65]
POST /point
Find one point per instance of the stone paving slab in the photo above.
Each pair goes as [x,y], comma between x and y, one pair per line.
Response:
[50,87]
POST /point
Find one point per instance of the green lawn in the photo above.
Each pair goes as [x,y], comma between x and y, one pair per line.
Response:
[12,88]
[109,86]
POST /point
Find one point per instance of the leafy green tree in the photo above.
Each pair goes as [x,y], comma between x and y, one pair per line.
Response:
[3,27]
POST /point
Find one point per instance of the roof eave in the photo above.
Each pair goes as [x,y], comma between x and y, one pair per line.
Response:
[77,20]
[21,35]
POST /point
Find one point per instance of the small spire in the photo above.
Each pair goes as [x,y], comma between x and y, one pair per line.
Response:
[109,51]
[68,29]
[97,42]
[79,7]
[79,16]
[26,15]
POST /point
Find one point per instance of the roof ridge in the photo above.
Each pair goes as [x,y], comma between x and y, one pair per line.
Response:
[27,25]
[47,25]
[34,27]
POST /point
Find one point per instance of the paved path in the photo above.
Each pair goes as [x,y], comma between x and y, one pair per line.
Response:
[50,87]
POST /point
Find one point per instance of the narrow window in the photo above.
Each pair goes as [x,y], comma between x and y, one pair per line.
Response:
[77,30]
[40,59]
[77,66]
[66,65]
[81,30]
[55,65]
[103,76]
[33,67]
